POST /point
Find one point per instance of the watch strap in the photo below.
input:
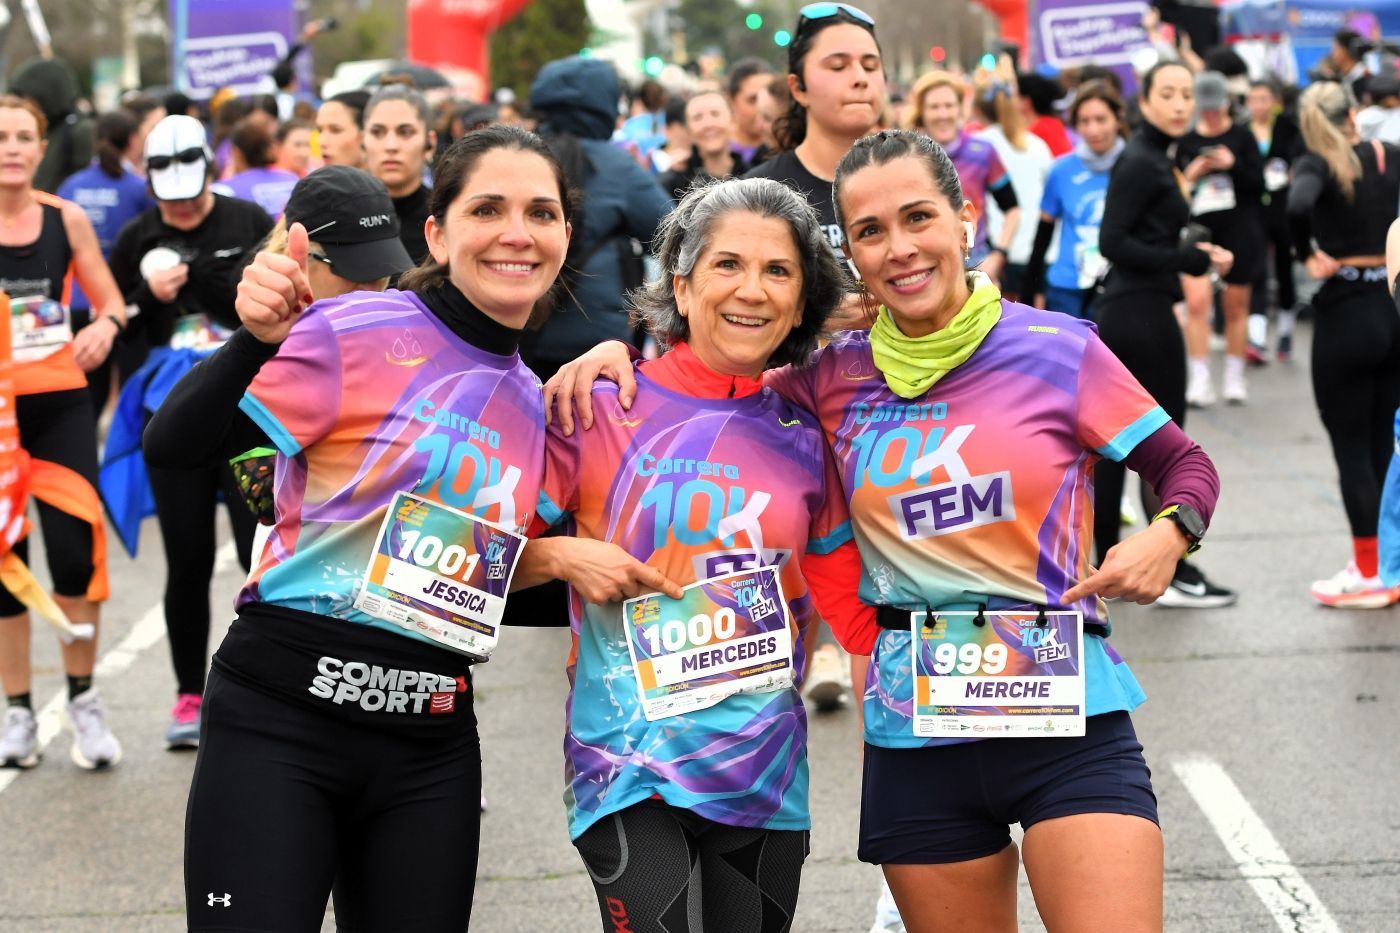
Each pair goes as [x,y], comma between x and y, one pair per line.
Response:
[1194,543]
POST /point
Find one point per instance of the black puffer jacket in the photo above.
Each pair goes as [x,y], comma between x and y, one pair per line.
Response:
[51,84]
[576,100]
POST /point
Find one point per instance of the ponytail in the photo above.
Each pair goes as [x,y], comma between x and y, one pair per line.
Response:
[1323,110]
[998,103]
[113,137]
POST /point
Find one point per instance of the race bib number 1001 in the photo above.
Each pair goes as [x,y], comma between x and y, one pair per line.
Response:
[442,573]
[726,635]
[1018,674]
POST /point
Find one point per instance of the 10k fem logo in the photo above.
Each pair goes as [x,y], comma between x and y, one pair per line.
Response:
[964,502]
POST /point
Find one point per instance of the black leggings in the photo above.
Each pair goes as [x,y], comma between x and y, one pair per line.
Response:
[59,427]
[288,805]
[1142,331]
[1277,235]
[186,503]
[1356,381]
[660,869]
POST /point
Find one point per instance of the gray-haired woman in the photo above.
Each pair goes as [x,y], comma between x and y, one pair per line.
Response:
[686,741]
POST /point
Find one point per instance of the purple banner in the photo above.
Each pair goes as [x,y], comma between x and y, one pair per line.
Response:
[1070,33]
[229,43]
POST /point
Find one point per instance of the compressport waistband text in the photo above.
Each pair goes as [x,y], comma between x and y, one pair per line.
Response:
[387,689]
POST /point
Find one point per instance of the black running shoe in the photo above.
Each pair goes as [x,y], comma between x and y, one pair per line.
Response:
[1190,589]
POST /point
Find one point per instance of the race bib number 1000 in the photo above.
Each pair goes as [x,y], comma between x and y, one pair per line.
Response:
[726,635]
[1018,674]
[442,573]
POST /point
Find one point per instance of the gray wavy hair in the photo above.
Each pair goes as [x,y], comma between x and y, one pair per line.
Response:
[686,232]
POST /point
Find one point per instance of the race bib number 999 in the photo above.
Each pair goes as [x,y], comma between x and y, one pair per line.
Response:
[440,572]
[726,635]
[1017,674]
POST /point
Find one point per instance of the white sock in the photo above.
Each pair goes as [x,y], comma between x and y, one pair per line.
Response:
[1258,329]
[1200,368]
[1234,368]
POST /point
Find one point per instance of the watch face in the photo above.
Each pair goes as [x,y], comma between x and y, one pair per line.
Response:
[1190,522]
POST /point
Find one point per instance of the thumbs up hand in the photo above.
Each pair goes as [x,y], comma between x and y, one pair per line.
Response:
[275,289]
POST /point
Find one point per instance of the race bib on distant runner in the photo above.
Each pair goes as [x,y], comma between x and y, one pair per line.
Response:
[442,573]
[39,327]
[726,635]
[1215,193]
[1275,175]
[1017,675]
[197,332]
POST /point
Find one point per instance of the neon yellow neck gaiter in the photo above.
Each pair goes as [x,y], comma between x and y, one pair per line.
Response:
[911,365]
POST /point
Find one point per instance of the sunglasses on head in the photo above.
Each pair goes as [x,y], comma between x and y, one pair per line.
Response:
[813,12]
[321,257]
[184,156]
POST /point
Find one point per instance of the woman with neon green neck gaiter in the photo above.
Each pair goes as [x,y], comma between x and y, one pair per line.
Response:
[965,429]
[967,456]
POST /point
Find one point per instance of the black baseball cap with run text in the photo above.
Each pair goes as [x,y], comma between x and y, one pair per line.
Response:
[349,213]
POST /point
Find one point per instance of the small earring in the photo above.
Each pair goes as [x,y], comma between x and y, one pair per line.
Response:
[869,309]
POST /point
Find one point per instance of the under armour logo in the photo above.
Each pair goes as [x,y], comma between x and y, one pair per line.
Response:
[224,901]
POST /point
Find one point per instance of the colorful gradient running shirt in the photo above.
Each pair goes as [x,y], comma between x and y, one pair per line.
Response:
[981,170]
[369,395]
[697,488]
[980,490]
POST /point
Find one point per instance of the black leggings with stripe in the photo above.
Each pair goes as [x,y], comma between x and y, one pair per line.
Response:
[1356,381]
[660,869]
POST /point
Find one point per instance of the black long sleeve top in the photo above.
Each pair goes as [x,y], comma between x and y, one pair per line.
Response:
[1144,213]
[1319,211]
[1247,174]
[214,251]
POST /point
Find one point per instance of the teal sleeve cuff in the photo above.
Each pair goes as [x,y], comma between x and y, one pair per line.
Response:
[1133,434]
[548,511]
[830,542]
[273,428]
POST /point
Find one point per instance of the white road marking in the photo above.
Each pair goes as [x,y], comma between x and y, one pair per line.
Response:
[1261,860]
[148,630]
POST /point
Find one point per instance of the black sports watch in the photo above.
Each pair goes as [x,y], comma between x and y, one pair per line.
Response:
[1189,521]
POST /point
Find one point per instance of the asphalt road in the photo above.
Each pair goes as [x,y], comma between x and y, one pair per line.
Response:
[1272,728]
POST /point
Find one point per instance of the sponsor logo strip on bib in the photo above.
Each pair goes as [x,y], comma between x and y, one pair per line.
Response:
[441,572]
[1016,674]
[728,634]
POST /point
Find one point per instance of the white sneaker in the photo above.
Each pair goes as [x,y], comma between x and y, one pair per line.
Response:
[1199,391]
[1233,389]
[887,919]
[94,745]
[828,681]
[19,738]
[1348,589]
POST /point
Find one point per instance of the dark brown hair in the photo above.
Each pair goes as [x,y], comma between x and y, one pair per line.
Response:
[114,132]
[1101,91]
[790,129]
[253,141]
